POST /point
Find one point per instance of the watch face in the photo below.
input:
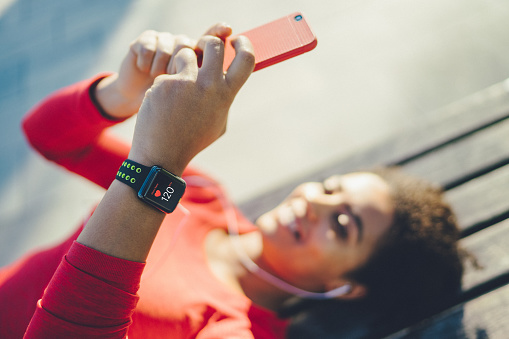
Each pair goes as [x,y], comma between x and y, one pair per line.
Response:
[162,189]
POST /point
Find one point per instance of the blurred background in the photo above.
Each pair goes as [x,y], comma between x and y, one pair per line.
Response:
[380,66]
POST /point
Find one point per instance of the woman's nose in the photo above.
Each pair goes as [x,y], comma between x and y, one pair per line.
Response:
[319,200]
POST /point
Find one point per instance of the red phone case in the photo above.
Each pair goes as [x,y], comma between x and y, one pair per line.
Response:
[276,41]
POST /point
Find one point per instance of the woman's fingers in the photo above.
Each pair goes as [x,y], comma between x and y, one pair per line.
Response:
[220,30]
[154,50]
[165,47]
[144,49]
[181,41]
[156,54]
[186,63]
[213,55]
[243,64]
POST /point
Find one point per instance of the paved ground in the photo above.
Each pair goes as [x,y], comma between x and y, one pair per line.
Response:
[380,66]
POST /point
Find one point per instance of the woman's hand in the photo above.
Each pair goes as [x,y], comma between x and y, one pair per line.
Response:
[183,113]
[149,56]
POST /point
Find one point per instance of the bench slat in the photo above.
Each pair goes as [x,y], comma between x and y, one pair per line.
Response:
[491,248]
[481,199]
[485,149]
[483,317]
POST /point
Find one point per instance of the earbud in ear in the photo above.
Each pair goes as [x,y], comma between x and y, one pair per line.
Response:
[338,291]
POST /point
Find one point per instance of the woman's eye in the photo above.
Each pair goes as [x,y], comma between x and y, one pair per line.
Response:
[339,222]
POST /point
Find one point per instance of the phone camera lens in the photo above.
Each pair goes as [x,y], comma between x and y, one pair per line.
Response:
[298,17]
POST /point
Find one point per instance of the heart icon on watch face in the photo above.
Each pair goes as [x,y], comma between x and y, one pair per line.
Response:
[157,193]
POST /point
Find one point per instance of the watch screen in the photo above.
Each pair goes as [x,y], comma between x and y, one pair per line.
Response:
[164,190]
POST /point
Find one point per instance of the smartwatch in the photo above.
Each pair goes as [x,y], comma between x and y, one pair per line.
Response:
[154,185]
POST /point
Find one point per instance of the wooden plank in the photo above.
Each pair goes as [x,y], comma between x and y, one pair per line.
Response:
[479,110]
[481,201]
[491,248]
[464,158]
[483,317]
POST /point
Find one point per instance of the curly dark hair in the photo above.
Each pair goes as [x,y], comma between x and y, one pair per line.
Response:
[417,266]
[415,270]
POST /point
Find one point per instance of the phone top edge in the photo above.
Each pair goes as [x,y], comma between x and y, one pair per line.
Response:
[285,56]
[302,29]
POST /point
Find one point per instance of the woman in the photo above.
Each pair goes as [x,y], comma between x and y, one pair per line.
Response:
[414,271]
[210,273]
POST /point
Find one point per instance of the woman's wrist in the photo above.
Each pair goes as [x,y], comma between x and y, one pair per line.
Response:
[122,225]
[112,104]
[170,163]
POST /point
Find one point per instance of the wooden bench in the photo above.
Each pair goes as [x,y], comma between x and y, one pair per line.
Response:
[464,147]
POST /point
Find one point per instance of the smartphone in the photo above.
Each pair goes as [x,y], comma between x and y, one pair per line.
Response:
[276,41]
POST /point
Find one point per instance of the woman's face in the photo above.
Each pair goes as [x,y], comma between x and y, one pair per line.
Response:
[324,230]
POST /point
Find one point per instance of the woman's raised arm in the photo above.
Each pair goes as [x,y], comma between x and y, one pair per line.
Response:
[181,114]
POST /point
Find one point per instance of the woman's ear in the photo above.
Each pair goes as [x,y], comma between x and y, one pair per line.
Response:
[356,290]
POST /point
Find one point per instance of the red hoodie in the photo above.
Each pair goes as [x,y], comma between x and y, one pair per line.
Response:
[72,291]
